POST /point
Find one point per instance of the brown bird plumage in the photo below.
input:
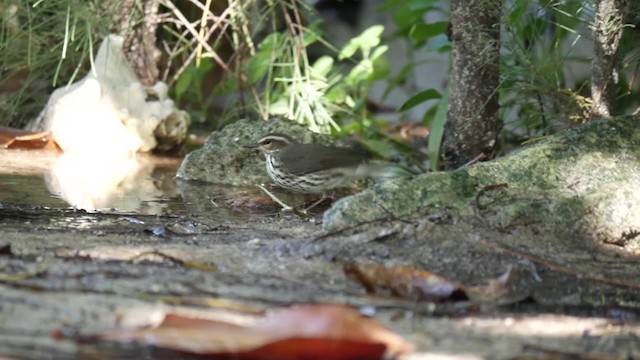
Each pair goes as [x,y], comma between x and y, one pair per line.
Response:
[308,168]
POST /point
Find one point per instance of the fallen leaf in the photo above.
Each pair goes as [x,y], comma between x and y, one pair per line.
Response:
[410,132]
[413,283]
[329,321]
[11,138]
[406,132]
[404,282]
[300,332]
[494,289]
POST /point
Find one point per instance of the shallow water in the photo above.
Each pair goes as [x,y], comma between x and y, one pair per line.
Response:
[42,178]
[145,185]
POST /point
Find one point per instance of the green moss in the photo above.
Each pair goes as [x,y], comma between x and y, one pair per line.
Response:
[463,184]
[585,179]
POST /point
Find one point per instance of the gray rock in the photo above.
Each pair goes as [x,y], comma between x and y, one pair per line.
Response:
[585,180]
[223,160]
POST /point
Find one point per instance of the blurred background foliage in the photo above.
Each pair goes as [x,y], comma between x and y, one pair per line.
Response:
[226,60]
[43,45]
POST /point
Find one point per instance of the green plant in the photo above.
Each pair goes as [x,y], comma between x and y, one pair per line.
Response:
[45,44]
[532,67]
[540,43]
[269,72]
[409,18]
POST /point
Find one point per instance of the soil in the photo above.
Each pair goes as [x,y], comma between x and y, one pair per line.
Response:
[65,272]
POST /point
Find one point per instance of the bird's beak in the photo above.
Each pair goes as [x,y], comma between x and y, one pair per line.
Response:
[250,146]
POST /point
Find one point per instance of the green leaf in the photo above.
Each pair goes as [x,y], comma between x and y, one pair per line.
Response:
[310,36]
[383,148]
[322,66]
[258,65]
[226,87]
[379,51]
[437,130]
[184,81]
[336,95]
[517,13]
[280,107]
[404,17]
[422,4]
[370,38]
[423,32]
[349,128]
[389,4]
[348,100]
[348,50]
[359,73]
[206,64]
[419,98]
[358,105]
[272,41]
[366,41]
[381,69]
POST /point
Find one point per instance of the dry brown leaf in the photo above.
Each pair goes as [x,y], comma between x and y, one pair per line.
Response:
[299,332]
[404,282]
[330,321]
[11,138]
[413,283]
[320,349]
[410,132]
[406,132]
[493,290]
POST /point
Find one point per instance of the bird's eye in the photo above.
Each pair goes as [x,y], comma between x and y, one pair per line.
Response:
[266,142]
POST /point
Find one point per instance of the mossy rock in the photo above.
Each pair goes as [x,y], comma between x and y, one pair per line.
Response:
[585,179]
[223,160]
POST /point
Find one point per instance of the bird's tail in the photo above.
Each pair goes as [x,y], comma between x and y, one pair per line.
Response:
[384,170]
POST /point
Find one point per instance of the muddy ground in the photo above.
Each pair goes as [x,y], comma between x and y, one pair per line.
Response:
[68,272]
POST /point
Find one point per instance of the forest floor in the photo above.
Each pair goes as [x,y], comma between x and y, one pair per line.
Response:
[67,273]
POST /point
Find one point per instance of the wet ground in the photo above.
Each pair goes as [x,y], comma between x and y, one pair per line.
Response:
[73,271]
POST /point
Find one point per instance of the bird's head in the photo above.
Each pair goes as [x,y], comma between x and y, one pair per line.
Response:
[271,143]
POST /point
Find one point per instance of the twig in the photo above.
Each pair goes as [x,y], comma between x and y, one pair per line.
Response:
[196,35]
[481,156]
[194,52]
[558,268]
[175,260]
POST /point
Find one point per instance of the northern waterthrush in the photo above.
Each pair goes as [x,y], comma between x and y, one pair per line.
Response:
[310,168]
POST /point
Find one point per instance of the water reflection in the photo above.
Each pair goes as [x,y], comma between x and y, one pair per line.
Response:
[127,184]
[140,185]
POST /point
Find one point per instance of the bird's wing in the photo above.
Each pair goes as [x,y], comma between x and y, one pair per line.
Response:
[307,158]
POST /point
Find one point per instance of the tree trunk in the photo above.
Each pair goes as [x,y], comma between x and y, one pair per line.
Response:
[607,32]
[137,22]
[473,123]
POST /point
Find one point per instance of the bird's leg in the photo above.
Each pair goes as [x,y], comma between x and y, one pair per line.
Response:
[275,198]
[332,195]
[282,204]
[316,203]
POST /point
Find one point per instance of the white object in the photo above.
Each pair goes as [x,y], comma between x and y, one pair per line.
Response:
[108,111]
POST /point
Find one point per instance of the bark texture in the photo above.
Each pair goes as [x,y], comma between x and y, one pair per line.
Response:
[472,121]
[137,21]
[607,31]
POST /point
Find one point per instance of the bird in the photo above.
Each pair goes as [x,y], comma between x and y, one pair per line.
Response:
[310,168]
